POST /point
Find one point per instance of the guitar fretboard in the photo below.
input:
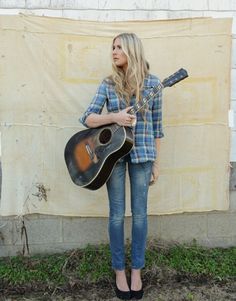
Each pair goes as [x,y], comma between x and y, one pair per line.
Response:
[139,105]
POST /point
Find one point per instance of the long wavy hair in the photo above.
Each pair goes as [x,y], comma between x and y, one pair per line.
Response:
[130,82]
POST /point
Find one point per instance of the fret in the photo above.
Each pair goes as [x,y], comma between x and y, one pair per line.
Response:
[132,111]
[139,105]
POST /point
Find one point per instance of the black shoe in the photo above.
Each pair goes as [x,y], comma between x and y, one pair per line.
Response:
[122,295]
[136,294]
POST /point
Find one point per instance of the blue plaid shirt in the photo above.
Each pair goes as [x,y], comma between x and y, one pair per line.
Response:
[146,129]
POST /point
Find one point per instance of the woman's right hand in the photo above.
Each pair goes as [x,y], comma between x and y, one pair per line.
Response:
[123,118]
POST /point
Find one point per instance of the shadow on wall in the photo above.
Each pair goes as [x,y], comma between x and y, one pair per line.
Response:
[0,176]
[0,166]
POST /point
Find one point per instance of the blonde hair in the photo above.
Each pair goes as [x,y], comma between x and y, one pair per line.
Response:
[130,82]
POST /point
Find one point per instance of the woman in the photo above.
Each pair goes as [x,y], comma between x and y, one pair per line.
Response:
[129,82]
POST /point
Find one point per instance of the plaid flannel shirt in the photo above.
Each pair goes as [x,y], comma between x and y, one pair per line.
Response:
[146,129]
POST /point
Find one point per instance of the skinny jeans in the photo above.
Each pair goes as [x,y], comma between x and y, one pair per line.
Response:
[139,175]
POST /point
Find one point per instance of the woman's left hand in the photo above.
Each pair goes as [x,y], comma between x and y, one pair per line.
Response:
[155,173]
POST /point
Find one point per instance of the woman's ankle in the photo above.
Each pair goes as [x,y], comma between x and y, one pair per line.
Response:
[136,281]
[121,280]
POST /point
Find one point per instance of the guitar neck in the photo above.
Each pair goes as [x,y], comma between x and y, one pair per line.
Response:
[140,104]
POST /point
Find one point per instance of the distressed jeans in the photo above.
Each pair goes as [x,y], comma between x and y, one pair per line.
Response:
[139,175]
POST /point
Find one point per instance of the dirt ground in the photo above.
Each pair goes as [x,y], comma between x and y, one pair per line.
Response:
[166,286]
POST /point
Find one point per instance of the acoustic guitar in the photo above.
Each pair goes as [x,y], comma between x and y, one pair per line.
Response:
[91,154]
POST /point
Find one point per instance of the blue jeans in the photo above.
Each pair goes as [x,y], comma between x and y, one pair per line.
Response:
[139,175]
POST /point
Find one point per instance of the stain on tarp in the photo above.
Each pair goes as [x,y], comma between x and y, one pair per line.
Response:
[42,192]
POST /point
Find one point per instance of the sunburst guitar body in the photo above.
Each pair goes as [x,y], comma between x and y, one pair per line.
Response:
[91,154]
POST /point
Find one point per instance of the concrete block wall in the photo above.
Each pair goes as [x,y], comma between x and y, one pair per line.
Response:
[49,234]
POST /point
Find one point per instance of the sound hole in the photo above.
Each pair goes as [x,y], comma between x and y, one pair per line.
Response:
[105,136]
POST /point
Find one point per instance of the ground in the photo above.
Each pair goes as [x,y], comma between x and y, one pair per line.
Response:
[168,285]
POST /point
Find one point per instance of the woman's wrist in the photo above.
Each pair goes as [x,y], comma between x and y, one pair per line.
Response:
[112,117]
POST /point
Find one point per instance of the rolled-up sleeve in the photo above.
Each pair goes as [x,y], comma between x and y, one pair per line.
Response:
[97,103]
[157,116]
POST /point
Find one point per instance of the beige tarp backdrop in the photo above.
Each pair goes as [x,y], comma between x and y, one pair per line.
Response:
[49,71]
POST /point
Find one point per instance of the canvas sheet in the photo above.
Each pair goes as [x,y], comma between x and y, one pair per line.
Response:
[49,71]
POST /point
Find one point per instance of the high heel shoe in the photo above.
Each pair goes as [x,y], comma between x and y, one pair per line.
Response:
[123,295]
[137,294]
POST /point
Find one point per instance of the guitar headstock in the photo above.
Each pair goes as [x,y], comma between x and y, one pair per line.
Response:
[175,78]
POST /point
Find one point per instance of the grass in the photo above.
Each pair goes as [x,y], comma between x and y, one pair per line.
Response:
[92,264]
[21,270]
[216,263]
